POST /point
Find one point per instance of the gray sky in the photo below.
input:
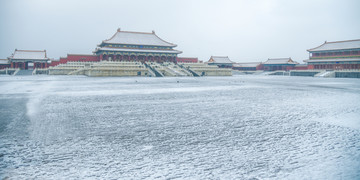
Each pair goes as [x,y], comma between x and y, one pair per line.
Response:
[244,30]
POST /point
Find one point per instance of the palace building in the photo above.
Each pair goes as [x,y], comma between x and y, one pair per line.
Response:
[221,61]
[29,59]
[335,55]
[283,64]
[136,46]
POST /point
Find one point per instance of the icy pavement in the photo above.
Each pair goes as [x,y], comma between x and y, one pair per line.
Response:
[240,127]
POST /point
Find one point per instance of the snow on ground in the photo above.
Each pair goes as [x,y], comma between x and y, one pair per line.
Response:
[240,127]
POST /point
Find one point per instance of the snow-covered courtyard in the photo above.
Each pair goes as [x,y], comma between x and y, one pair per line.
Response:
[240,127]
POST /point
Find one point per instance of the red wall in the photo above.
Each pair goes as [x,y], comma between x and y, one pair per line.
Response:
[260,67]
[76,57]
[4,66]
[301,67]
[186,60]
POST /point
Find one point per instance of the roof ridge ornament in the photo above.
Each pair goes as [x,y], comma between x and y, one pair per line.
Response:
[153,31]
[118,30]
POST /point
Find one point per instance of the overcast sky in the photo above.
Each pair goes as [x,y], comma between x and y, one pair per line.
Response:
[244,30]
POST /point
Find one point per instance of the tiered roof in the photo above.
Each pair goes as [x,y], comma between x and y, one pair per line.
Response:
[137,38]
[138,50]
[220,60]
[29,55]
[332,60]
[280,61]
[124,41]
[337,45]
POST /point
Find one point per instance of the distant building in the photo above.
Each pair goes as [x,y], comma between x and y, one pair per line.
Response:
[136,46]
[4,63]
[186,60]
[335,55]
[283,64]
[221,61]
[29,59]
[248,66]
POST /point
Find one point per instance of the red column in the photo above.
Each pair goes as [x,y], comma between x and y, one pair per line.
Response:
[101,57]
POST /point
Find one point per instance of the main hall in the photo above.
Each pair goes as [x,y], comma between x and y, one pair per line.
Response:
[140,46]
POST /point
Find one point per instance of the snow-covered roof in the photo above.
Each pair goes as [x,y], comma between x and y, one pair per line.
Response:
[137,38]
[247,64]
[337,45]
[332,60]
[29,54]
[4,61]
[280,61]
[220,60]
[138,50]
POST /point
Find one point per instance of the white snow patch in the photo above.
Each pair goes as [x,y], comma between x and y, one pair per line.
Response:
[351,120]
[145,148]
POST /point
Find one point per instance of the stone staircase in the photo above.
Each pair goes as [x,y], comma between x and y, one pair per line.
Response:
[153,69]
[23,73]
[175,70]
[325,74]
